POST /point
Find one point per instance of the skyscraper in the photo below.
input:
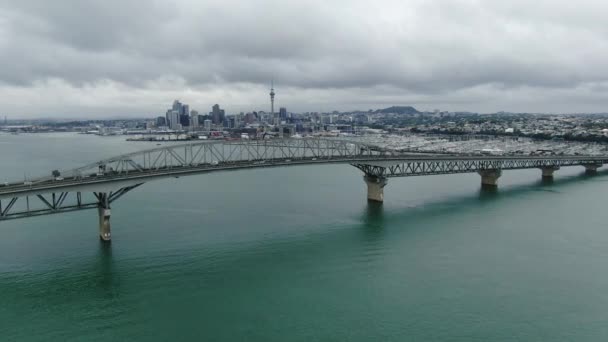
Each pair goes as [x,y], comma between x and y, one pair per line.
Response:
[177,106]
[217,114]
[168,118]
[283,113]
[184,120]
[173,118]
[194,119]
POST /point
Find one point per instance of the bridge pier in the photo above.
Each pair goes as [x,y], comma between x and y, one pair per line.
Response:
[103,208]
[591,169]
[375,188]
[548,171]
[489,178]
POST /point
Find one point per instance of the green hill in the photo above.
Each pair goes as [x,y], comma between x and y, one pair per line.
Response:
[399,110]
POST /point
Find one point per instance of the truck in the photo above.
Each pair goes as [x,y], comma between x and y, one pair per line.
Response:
[57,175]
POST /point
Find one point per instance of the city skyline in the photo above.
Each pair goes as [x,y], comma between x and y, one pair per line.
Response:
[456,55]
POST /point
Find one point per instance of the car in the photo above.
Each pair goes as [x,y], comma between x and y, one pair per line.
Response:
[58,178]
[27,183]
[215,163]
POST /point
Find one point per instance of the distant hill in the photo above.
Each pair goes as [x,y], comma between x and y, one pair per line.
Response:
[399,110]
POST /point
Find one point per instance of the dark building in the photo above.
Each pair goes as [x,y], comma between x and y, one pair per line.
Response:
[217,115]
[161,121]
[202,118]
[283,113]
[249,118]
[231,122]
[184,120]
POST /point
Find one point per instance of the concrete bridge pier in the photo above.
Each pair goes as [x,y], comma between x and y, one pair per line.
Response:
[375,188]
[103,208]
[591,169]
[489,178]
[548,171]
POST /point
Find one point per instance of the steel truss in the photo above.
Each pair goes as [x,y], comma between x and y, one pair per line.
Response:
[448,166]
[56,194]
[54,203]
[223,152]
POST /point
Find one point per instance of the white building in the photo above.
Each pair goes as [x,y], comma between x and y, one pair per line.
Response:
[194,119]
[173,118]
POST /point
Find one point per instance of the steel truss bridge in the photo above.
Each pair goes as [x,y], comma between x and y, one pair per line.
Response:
[100,184]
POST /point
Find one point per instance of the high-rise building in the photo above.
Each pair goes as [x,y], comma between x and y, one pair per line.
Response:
[207,125]
[173,118]
[177,106]
[194,119]
[217,114]
[178,116]
[168,118]
[283,113]
[249,118]
[229,122]
[161,121]
[184,120]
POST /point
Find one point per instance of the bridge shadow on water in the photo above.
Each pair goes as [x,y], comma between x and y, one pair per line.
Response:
[104,273]
[376,215]
[487,193]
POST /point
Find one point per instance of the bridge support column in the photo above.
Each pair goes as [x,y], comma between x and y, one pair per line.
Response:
[548,171]
[489,178]
[105,233]
[375,188]
[591,168]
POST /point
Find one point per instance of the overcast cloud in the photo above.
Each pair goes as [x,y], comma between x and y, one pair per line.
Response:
[85,58]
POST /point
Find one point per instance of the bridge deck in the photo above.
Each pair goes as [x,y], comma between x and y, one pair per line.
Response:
[379,165]
[109,179]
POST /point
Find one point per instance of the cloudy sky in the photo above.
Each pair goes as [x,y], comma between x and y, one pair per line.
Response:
[92,58]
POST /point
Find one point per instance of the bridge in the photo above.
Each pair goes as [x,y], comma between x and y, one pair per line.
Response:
[100,184]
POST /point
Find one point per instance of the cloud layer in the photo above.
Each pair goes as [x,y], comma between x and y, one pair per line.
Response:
[85,58]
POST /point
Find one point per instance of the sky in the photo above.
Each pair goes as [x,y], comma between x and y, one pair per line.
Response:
[131,58]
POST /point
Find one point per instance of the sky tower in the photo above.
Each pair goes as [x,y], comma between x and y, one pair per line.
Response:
[272,98]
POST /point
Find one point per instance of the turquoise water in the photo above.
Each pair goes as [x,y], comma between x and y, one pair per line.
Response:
[297,254]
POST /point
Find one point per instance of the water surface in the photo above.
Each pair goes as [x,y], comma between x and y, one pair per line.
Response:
[297,254]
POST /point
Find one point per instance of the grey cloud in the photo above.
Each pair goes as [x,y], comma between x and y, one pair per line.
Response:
[420,49]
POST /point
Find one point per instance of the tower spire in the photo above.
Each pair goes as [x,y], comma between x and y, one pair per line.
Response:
[272,97]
